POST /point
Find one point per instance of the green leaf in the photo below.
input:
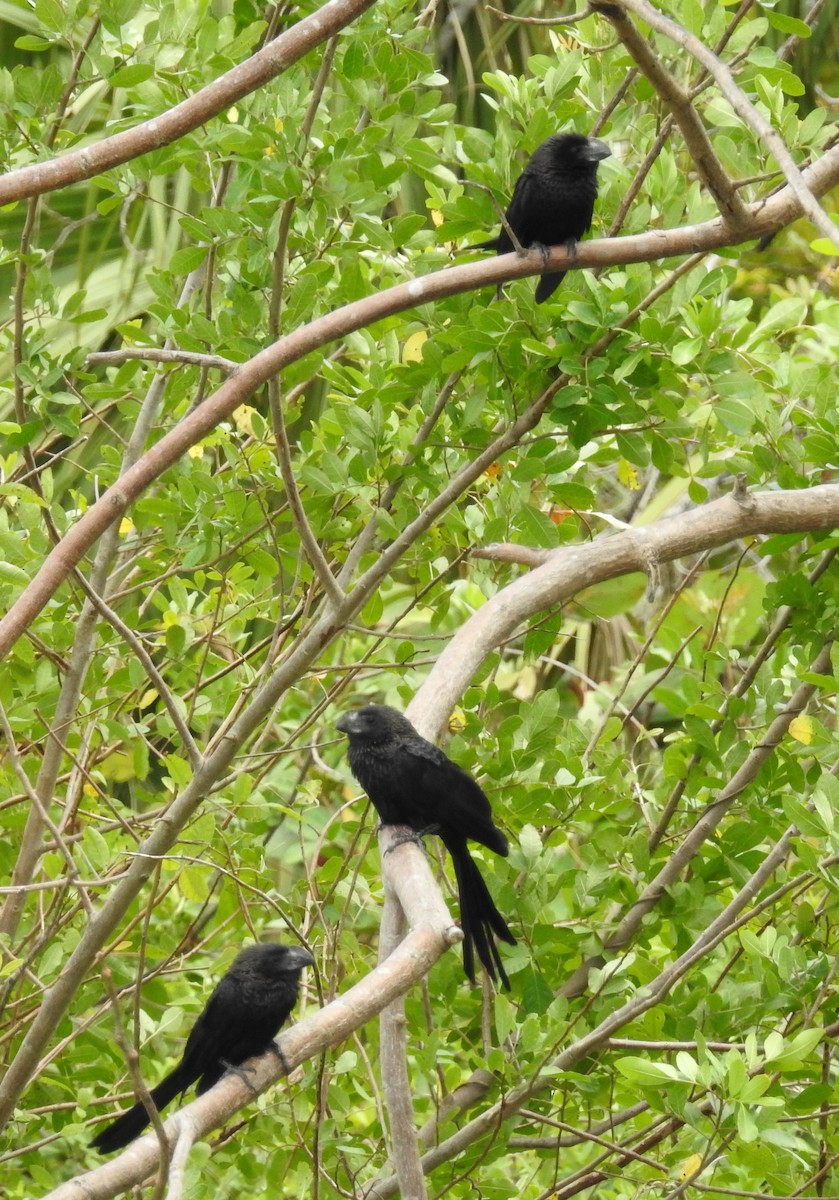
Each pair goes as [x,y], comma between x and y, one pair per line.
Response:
[788,25]
[21,492]
[646,1073]
[130,76]
[51,15]
[536,993]
[795,1050]
[12,574]
[530,843]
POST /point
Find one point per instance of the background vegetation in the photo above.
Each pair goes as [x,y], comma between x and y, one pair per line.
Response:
[603,731]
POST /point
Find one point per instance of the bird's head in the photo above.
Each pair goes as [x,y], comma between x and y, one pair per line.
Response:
[374,723]
[568,151]
[271,959]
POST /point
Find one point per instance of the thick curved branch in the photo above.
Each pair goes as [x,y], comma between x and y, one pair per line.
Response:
[766,216]
[190,114]
[570,570]
[393,1054]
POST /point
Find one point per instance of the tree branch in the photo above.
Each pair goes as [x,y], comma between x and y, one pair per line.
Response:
[570,570]
[184,358]
[432,932]
[707,822]
[486,1124]
[710,169]
[190,114]
[393,1041]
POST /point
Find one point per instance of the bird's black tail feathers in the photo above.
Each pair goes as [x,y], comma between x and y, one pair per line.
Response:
[547,285]
[479,918]
[132,1123]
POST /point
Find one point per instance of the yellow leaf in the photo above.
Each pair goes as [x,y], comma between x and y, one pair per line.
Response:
[436,217]
[126,526]
[457,721]
[196,451]
[118,768]
[412,350]
[278,124]
[233,114]
[801,729]
[127,340]
[243,418]
[148,697]
[690,1166]
[628,475]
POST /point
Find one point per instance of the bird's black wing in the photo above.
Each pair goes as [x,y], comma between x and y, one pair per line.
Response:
[213,1037]
[518,214]
[462,811]
[451,797]
[524,212]
[240,1021]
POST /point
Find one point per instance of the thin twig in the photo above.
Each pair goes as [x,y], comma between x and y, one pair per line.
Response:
[189,358]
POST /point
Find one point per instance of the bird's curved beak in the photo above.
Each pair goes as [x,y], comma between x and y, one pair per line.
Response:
[597,150]
[298,958]
[346,723]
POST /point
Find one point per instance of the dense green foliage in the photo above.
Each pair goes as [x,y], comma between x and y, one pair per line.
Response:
[579,729]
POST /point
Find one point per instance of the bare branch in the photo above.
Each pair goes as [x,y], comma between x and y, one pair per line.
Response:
[571,19]
[396,1082]
[432,932]
[187,358]
[310,543]
[570,570]
[511,552]
[190,114]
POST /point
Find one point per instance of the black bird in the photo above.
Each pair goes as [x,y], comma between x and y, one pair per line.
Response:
[412,782]
[241,1017]
[553,200]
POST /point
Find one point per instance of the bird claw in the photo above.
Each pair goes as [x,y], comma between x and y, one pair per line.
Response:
[544,250]
[242,1072]
[275,1049]
[415,837]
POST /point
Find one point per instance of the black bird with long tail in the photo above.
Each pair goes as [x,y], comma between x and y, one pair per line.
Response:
[412,782]
[553,201]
